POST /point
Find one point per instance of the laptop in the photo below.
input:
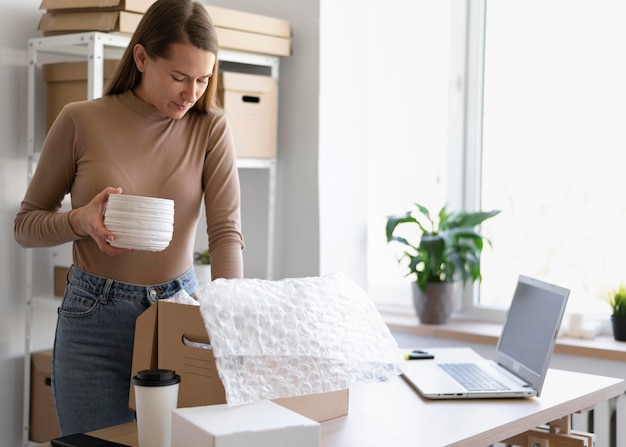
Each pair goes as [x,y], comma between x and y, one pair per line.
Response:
[522,356]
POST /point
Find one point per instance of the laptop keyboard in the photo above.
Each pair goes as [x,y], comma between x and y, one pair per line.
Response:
[471,377]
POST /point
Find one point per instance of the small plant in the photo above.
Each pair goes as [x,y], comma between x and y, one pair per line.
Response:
[443,251]
[617,300]
[202,257]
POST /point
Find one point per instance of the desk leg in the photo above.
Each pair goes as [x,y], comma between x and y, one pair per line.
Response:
[557,434]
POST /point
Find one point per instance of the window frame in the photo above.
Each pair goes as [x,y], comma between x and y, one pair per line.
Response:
[465,128]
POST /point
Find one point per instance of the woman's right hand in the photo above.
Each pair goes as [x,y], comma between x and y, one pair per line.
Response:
[88,221]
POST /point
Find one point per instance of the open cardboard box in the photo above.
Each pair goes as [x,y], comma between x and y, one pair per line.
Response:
[162,336]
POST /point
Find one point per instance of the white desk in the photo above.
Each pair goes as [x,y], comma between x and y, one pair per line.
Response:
[392,413]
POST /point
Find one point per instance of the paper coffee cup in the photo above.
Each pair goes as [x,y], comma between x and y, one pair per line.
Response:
[156,395]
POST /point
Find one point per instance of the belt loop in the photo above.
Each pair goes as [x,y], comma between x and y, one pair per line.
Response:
[69,274]
[106,290]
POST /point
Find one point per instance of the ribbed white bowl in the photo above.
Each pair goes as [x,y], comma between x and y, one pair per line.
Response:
[140,223]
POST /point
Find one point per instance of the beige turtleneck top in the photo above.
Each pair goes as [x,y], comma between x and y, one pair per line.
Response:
[122,141]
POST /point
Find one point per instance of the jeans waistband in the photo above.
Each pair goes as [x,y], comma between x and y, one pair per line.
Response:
[110,288]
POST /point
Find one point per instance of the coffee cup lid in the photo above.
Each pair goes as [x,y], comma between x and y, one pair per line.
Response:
[156,377]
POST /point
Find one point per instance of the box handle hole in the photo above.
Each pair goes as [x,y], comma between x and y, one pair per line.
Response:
[195,344]
[252,99]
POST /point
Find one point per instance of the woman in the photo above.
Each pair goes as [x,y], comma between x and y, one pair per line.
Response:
[157,133]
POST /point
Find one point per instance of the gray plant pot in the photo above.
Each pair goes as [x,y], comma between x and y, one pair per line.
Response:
[436,305]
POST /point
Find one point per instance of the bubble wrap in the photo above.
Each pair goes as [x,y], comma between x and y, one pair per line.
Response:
[294,337]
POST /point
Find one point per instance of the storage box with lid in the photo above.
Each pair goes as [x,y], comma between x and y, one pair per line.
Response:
[251,102]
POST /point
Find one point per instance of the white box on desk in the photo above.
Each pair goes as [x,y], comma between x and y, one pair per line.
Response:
[257,424]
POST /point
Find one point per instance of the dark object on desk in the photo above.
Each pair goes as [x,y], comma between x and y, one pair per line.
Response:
[83,440]
[417,354]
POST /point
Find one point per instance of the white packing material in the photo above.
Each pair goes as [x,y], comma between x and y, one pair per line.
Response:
[296,336]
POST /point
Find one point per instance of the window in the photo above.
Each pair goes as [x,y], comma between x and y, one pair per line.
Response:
[554,104]
[517,106]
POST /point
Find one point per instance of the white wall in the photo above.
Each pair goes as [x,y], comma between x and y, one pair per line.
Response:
[323,103]
[297,217]
[18,22]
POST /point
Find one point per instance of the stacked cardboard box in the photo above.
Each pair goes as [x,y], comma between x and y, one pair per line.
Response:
[250,100]
[236,30]
[244,31]
[73,16]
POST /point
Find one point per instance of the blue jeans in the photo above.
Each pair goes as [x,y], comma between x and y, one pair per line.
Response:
[93,347]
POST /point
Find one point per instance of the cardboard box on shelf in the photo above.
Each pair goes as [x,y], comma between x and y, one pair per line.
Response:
[140,6]
[252,104]
[123,22]
[245,21]
[67,82]
[232,39]
[43,418]
[236,30]
[162,340]
[244,31]
[262,423]
[60,279]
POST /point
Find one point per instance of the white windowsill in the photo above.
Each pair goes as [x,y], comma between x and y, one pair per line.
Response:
[475,331]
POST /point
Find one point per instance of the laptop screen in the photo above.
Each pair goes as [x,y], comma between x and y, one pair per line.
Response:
[532,325]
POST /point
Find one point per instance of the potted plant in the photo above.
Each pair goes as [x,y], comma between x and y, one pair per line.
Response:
[617,300]
[440,253]
[202,265]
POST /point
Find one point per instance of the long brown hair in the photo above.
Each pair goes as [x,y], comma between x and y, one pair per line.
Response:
[164,23]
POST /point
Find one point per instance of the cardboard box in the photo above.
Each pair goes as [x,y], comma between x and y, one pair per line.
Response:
[252,103]
[236,30]
[245,21]
[44,424]
[162,340]
[67,82]
[231,39]
[262,423]
[244,31]
[60,279]
[123,22]
[140,6]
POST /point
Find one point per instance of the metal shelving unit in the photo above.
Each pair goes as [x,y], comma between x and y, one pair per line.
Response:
[95,47]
